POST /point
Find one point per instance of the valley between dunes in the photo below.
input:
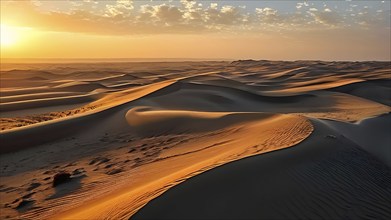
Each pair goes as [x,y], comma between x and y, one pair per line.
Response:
[196,140]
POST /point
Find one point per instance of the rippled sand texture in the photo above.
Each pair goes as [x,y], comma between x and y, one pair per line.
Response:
[128,132]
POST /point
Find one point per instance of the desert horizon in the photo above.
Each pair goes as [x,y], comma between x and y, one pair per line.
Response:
[7,61]
[254,110]
[105,60]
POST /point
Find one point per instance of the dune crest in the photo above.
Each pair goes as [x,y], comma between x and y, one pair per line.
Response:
[203,152]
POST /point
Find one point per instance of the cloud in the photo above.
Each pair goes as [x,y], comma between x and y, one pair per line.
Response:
[227,15]
[189,16]
[367,19]
[268,15]
[326,17]
[301,4]
[121,7]
[168,13]
[36,2]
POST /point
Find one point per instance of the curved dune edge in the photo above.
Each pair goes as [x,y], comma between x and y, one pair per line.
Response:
[261,135]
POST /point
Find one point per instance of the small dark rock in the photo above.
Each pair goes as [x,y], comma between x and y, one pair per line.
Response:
[61,178]
[47,178]
[131,150]
[24,203]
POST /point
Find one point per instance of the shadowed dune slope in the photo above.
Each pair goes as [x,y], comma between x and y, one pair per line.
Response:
[375,90]
[321,178]
[372,135]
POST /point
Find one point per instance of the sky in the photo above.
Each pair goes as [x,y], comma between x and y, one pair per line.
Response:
[275,30]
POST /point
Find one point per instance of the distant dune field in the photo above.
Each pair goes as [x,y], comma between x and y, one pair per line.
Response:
[196,140]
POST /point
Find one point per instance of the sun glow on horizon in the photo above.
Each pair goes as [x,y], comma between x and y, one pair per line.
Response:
[9,35]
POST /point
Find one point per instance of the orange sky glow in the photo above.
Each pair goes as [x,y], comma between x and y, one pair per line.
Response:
[335,30]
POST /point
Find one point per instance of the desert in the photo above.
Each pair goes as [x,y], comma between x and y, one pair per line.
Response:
[195,109]
[196,140]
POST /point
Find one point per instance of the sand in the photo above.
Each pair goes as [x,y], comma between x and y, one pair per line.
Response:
[320,178]
[142,138]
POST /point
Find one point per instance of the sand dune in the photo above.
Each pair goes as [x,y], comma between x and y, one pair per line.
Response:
[47,101]
[190,157]
[149,122]
[130,132]
[372,135]
[320,178]
[375,90]
[42,95]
